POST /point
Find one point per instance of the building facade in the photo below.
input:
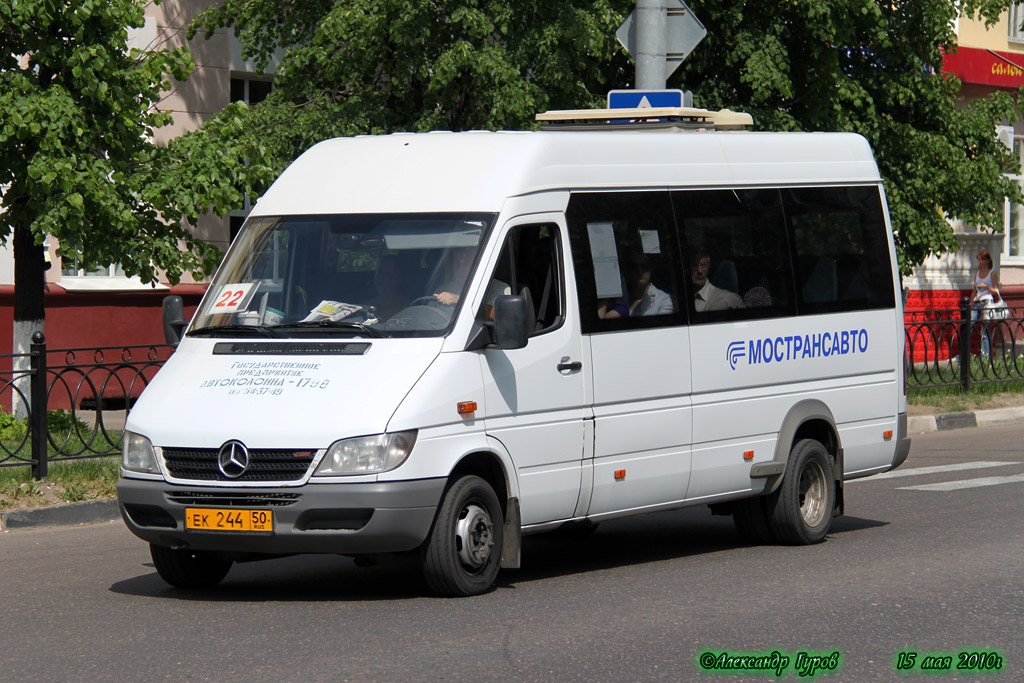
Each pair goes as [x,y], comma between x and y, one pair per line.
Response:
[100,306]
[988,59]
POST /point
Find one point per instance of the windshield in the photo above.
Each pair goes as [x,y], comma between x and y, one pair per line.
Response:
[371,275]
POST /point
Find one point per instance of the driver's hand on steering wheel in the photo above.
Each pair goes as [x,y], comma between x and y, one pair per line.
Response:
[447,298]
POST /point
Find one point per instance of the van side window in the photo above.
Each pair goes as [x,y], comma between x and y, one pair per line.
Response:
[840,248]
[736,254]
[624,250]
[530,266]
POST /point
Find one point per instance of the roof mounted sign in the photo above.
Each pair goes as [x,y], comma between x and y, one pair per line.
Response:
[646,117]
[640,99]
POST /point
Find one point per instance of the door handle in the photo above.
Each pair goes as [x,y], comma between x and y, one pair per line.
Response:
[565,365]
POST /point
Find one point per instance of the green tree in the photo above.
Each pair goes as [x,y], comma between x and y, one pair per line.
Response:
[77,161]
[378,66]
[872,68]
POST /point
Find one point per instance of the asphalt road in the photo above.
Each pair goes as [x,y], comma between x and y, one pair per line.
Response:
[912,567]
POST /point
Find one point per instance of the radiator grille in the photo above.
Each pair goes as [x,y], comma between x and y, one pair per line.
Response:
[232,499]
[200,464]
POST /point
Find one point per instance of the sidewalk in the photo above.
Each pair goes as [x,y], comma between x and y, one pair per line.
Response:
[106,510]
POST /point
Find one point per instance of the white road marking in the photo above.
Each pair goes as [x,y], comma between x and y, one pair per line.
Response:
[933,470]
[965,483]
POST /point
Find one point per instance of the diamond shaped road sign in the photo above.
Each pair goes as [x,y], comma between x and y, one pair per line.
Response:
[683,32]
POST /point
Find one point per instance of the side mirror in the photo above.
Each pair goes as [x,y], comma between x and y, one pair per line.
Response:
[511,323]
[174,319]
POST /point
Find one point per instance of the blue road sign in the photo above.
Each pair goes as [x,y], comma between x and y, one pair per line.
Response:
[638,99]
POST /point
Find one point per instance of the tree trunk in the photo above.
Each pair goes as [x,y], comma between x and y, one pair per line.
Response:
[29,311]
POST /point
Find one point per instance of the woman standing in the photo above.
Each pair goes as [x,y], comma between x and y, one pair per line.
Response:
[985,295]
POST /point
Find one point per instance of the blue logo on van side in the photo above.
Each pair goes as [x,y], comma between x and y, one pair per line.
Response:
[796,347]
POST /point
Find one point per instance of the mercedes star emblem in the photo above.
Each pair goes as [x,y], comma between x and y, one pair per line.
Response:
[233,459]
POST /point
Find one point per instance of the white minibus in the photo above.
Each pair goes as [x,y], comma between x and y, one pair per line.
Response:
[436,344]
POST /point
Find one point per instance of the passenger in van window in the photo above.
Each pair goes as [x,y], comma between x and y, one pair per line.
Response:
[707,297]
[644,297]
[757,297]
[647,299]
[612,308]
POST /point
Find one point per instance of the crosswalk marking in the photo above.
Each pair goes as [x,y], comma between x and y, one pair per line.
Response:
[933,470]
[965,483]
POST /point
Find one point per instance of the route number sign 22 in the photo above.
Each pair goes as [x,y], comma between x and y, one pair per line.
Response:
[231,297]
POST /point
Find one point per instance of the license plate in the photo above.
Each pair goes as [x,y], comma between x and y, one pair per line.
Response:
[228,519]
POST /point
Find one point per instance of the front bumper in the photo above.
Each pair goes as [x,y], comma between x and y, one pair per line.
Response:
[347,519]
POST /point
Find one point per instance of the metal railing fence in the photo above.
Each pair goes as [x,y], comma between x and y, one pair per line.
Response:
[86,394]
[963,347]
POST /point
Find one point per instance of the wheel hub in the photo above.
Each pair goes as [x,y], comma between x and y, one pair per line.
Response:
[474,536]
[812,494]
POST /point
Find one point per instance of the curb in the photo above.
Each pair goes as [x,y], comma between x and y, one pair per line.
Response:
[106,510]
[922,424]
[61,515]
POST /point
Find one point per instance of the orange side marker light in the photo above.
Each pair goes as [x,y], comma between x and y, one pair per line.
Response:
[748,455]
[620,474]
[887,434]
[467,407]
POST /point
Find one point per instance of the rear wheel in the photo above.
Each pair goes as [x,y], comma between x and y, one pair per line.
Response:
[801,508]
[463,554]
[189,568]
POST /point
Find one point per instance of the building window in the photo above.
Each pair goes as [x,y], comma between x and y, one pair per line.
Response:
[249,90]
[70,267]
[1015,18]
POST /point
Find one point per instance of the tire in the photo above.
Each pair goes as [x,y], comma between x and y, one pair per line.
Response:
[750,516]
[800,510]
[463,554]
[189,568]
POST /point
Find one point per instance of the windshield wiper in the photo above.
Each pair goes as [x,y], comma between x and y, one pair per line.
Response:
[333,324]
[218,329]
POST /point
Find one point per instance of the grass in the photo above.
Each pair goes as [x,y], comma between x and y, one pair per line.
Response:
[953,400]
[67,482]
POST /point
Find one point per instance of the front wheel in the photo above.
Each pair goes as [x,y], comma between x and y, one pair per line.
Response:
[189,568]
[801,508]
[463,554]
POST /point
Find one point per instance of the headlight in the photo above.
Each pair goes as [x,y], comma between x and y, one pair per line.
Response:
[137,454]
[367,454]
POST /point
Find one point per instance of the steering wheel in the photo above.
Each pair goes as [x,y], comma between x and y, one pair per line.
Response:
[420,316]
[428,300]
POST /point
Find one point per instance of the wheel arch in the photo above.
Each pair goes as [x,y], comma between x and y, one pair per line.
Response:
[495,467]
[489,467]
[808,419]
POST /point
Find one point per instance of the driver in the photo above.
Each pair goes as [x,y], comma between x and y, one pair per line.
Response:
[449,293]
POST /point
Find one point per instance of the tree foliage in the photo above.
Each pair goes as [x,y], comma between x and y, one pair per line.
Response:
[872,68]
[380,66]
[77,161]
